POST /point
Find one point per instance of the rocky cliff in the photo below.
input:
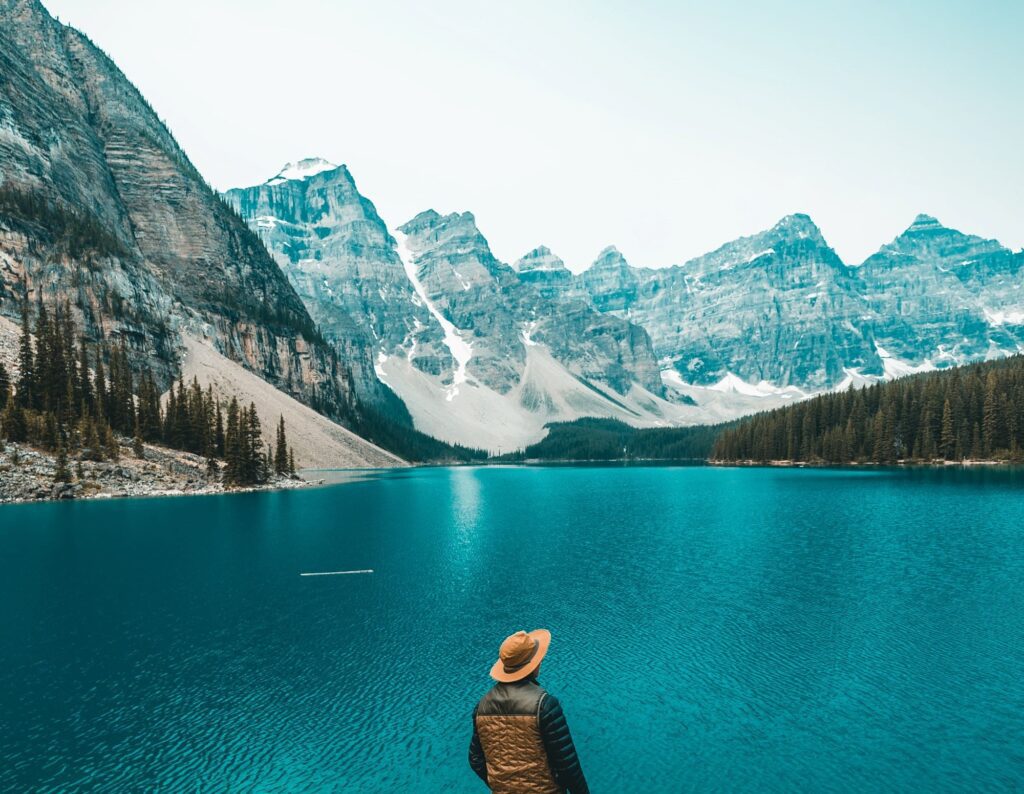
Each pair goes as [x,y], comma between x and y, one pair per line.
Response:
[480,354]
[780,309]
[941,297]
[100,206]
[339,257]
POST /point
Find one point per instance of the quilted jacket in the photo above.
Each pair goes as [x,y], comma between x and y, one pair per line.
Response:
[521,743]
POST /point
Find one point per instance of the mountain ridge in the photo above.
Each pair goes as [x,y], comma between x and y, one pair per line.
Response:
[775,315]
[100,207]
[768,264]
[457,334]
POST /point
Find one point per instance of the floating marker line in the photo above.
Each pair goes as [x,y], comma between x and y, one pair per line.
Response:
[336,573]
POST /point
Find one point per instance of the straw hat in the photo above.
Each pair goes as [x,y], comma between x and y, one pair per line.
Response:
[520,655]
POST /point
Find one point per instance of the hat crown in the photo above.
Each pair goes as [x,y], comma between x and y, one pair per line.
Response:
[520,655]
[517,649]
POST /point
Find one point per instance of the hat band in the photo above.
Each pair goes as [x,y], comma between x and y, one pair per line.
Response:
[512,668]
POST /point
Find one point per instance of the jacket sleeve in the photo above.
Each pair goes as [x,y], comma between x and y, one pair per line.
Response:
[476,753]
[561,751]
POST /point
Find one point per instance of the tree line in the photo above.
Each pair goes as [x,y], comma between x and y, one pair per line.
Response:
[971,412]
[597,439]
[77,233]
[76,400]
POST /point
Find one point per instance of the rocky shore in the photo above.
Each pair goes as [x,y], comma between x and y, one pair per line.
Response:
[27,475]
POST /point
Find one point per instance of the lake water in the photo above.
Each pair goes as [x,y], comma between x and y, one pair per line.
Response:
[714,629]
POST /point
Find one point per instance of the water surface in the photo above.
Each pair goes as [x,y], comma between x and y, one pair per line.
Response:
[714,629]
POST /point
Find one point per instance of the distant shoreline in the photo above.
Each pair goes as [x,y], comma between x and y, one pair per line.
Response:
[905,464]
[751,464]
[124,480]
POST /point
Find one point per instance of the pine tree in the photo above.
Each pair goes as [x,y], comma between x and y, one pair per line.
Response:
[255,462]
[218,433]
[73,393]
[110,446]
[13,422]
[84,380]
[232,445]
[138,450]
[100,385]
[92,448]
[5,386]
[947,442]
[291,462]
[990,416]
[51,432]
[62,404]
[25,390]
[61,473]
[148,413]
[45,361]
[281,452]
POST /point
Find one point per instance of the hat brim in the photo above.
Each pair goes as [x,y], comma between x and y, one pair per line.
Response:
[543,639]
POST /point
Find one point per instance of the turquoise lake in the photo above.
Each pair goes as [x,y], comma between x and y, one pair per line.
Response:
[714,629]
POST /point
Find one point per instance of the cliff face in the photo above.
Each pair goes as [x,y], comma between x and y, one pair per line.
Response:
[99,204]
[338,255]
[769,307]
[480,352]
[781,307]
[943,297]
[498,309]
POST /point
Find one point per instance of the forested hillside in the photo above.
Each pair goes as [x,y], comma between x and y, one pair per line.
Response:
[593,439]
[75,401]
[972,412]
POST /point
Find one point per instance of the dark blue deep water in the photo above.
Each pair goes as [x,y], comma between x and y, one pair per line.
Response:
[714,629]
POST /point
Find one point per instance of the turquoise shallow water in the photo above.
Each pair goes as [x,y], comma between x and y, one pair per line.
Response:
[714,629]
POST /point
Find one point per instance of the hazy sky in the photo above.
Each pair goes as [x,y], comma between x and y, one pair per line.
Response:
[665,128]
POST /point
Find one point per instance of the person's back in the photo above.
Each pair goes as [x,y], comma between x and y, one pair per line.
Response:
[521,742]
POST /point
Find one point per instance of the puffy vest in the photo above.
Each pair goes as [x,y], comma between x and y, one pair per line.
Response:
[508,723]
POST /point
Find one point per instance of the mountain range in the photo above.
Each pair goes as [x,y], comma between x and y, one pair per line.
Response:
[479,355]
[296,289]
[488,353]
[781,307]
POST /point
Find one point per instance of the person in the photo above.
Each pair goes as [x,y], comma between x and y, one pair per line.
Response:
[521,743]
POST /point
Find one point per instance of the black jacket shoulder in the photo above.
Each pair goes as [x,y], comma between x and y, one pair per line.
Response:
[561,752]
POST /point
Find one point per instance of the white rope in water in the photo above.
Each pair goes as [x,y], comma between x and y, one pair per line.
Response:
[335,573]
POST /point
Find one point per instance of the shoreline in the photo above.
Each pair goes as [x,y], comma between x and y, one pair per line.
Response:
[774,464]
[27,476]
[869,464]
[168,473]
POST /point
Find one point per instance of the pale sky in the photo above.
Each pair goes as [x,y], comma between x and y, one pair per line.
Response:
[665,128]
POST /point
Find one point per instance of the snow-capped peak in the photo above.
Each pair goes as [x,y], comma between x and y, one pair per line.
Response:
[303,169]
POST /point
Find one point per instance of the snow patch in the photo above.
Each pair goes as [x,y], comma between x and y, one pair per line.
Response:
[378,367]
[897,368]
[461,350]
[417,326]
[747,261]
[853,378]
[997,318]
[733,384]
[547,391]
[526,334]
[303,169]
[759,254]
